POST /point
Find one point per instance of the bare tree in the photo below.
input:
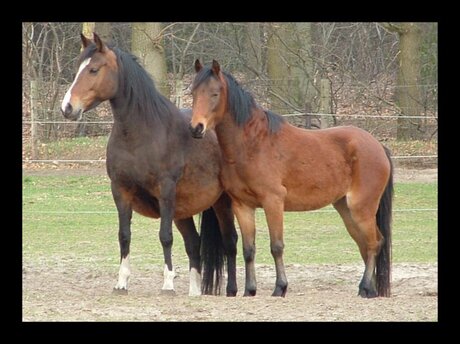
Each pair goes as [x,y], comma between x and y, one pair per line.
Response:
[409,75]
[291,67]
[147,45]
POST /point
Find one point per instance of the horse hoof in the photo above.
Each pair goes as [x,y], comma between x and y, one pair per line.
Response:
[117,291]
[231,291]
[368,294]
[280,292]
[249,293]
[168,292]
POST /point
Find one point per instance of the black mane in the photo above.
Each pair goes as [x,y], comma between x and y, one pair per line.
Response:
[137,87]
[240,102]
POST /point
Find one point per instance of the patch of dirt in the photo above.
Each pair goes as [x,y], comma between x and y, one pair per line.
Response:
[67,292]
[405,175]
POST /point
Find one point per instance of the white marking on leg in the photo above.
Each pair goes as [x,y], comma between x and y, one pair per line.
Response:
[68,94]
[195,283]
[168,276]
[123,274]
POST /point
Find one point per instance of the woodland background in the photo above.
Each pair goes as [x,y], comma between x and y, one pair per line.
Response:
[379,76]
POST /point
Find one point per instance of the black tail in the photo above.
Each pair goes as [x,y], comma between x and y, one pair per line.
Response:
[212,253]
[384,215]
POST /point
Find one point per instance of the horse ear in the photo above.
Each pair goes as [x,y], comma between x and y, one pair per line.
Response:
[85,41]
[198,65]
[215,67]
[101,47]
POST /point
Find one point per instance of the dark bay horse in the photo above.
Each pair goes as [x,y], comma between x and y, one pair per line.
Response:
[271,164]
[156,168]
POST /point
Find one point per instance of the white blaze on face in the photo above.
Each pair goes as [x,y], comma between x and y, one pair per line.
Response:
[123,274]
[66,99]
[195,283]
[168,276]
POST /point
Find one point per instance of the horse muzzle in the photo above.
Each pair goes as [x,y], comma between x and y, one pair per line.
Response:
[197,131]
[70,113]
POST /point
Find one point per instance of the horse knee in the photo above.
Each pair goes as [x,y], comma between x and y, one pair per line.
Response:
[166,239]
[277,248]
[249,253]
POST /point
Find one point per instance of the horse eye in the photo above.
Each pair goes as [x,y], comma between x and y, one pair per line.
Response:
[215,94]
[93,70]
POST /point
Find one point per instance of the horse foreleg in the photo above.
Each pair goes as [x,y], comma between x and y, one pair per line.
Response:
[192,247]
[167,204]
[274,209]
[246,219]
[224,213]
[125,213]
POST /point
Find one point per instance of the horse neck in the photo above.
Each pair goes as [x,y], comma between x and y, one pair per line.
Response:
[230,137]
[133,126]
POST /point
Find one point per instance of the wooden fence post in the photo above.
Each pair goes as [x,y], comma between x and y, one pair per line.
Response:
[325,105]
[34,117]
[308,115]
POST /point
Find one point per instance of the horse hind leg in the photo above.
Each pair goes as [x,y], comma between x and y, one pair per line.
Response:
[192,246]
[362,228]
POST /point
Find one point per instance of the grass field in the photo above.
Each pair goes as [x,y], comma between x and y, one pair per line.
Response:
[75,217]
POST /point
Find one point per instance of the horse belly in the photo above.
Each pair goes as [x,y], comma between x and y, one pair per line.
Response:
[315,196]
[305,203]
[197,190]
[189,203]
[145,210]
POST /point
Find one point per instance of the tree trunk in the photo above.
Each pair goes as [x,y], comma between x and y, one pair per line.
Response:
[408,94]
[276,69]
[103,29]
[147,45]
[254,47]
[290,67]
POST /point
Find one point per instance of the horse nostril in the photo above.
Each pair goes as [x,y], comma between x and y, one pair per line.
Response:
[68,110]
[197,132]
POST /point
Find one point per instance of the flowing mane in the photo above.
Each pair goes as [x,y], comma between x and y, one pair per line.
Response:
[240,102]
[137,86]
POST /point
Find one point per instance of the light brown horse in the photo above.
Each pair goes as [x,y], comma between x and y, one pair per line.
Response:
[156,168]
[271,164]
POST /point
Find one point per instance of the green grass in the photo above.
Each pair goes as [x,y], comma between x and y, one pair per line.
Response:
[75,218]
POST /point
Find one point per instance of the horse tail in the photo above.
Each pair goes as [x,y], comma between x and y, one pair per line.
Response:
[384,215]
[212,253]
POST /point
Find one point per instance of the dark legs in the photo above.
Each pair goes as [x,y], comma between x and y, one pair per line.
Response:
[167,203]
[224,213]
[124,238]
